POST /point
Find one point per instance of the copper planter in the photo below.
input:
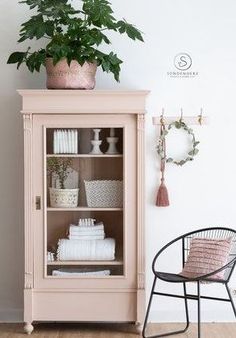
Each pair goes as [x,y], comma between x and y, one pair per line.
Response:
[75,76]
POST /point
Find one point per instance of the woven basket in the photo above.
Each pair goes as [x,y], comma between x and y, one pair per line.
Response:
[63,198]
[104,194]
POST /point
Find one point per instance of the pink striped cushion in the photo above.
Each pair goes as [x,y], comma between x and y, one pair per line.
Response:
[206,256]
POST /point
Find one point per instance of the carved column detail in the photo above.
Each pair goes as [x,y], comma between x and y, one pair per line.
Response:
[140,199]
[27,118]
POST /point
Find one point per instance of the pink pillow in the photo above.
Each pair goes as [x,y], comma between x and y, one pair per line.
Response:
[205,256]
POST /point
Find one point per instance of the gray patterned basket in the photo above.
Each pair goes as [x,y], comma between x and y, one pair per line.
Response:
[104,193]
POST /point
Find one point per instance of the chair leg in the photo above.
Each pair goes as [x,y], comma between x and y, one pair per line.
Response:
[148,307]
[148,311]
[231,299]
[199,309]
[186,306]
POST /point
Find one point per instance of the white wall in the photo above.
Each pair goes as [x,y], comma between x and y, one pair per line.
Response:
[202,193]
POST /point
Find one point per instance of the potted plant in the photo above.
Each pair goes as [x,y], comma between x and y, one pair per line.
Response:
[61,198]
[71,37]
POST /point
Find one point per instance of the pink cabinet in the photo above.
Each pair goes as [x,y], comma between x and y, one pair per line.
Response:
[84,244]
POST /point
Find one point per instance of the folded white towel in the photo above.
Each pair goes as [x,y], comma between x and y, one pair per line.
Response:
[65,141]
[86,222]
[50,256]
[80,272]
[78,229]
[86,249]
[76,142]
[87,233]
[55,142]
[86,237]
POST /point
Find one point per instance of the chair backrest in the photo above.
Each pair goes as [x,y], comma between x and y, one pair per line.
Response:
[213,233]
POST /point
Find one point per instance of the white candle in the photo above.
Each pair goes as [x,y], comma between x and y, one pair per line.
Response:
[112,132]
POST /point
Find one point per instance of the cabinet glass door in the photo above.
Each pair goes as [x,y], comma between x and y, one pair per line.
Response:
[84,199]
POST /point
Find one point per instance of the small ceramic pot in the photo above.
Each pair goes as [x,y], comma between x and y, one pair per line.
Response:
[75,76]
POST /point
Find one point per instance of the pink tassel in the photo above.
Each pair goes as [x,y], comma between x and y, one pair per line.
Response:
[162,195]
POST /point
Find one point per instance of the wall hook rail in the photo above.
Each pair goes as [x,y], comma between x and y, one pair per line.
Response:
[199,119]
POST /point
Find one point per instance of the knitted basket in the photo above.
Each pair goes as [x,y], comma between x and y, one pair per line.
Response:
[104,194]
[63,198]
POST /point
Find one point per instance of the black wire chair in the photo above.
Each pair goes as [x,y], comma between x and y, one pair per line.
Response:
[184,241]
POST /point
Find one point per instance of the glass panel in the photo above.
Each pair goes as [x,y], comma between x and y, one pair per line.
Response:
[84,213]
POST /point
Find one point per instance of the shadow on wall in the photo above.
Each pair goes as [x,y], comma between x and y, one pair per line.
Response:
[11,183]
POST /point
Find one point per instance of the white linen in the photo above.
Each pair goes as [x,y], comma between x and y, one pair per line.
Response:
[55,142]
[80,272]
[50,256]
[86,232]
[86,222]
[86,237]
[75,229]
[86,249]
[65,141]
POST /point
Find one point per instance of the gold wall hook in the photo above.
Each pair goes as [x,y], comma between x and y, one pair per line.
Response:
[162,122]
[200,116]
[181,115]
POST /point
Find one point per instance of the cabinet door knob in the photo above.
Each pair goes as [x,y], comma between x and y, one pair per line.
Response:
[38,202]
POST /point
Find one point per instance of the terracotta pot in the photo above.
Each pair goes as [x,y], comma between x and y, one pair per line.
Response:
[75,76]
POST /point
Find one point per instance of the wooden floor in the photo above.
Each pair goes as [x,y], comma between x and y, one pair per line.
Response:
[53,330]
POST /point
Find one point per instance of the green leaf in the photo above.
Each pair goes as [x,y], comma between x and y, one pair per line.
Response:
[106,66]
[49,28]
[40,31]
[16,57]
[35,60]
[99,13]
[193,152]
[177,124]
[130,30]
[33,28]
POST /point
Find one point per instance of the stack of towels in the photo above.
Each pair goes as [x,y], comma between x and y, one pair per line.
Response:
[86,242]
[65,141]
[87,233]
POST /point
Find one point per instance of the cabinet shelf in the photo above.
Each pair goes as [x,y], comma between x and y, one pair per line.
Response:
[83,209]
[85,155]
[66,263]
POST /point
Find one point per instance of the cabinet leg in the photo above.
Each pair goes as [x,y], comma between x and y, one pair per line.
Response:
[28,328]
[138,327]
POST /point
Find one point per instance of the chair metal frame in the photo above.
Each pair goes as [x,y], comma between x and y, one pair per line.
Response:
[216,233]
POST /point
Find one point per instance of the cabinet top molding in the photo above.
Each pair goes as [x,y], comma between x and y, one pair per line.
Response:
[40,101]
[68,92]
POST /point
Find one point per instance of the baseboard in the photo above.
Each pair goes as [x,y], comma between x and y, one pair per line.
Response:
[167,316]
[11,315]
